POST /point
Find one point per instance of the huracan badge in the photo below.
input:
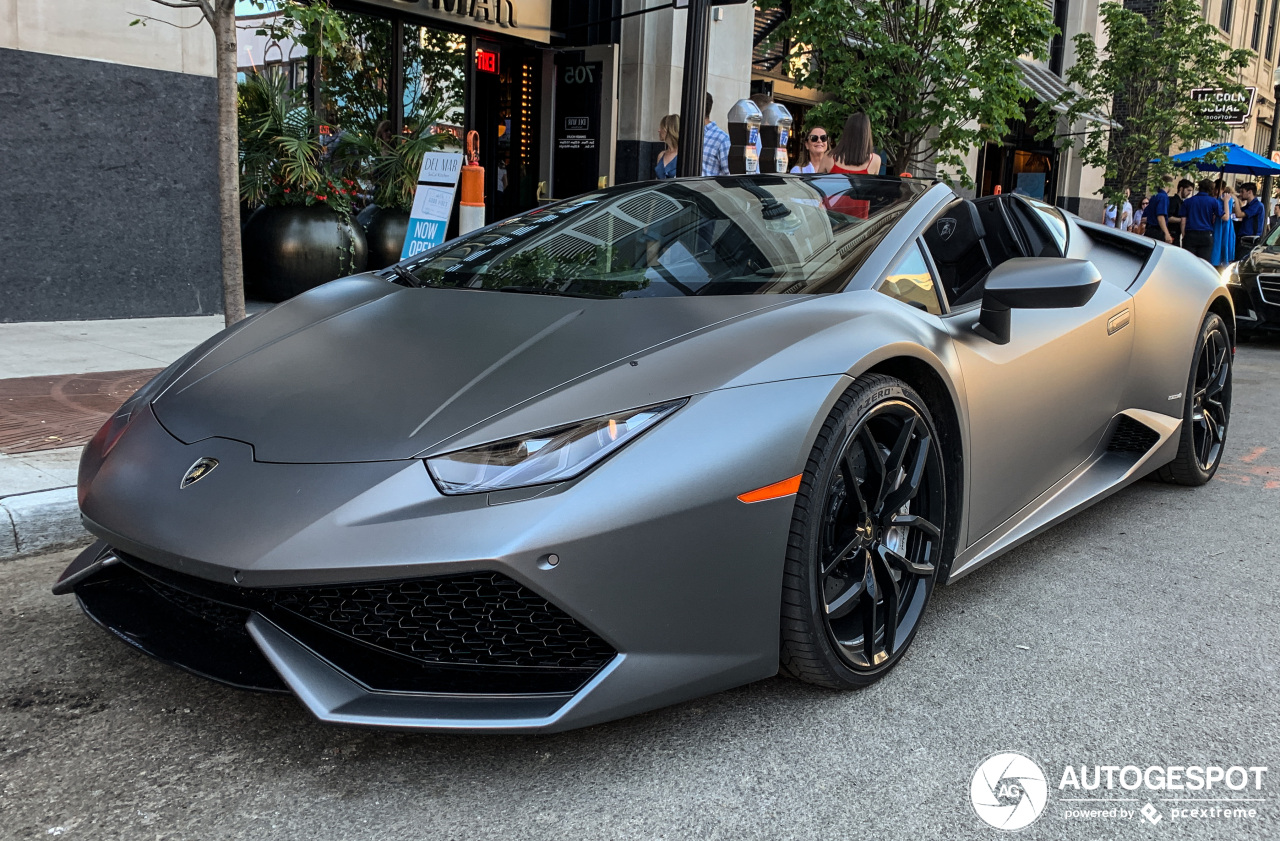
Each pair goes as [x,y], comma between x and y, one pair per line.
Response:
[198,471]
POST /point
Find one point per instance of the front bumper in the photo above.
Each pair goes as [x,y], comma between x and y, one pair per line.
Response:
[664,578]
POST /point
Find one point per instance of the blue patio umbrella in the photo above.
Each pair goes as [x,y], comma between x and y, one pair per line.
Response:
[1239,160]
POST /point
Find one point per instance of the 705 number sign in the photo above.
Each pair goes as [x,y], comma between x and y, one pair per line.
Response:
[582,74]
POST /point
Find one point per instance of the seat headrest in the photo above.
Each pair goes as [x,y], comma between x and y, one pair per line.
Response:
[954,232]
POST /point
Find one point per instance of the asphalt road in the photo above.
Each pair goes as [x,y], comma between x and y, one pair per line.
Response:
[1143,632]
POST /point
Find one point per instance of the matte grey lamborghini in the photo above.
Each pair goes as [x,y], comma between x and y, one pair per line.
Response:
[643,445]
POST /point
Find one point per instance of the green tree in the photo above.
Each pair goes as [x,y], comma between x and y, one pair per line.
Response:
[355,82]
[936,77]
[1142,79]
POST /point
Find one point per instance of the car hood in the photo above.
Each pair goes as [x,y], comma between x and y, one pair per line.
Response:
[1264,259]
[364,370]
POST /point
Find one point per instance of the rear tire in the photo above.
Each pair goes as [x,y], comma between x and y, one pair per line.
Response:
[1206,408]
[866,537]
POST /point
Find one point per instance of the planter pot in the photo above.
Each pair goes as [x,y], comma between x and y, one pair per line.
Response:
[385,231]
[288,250]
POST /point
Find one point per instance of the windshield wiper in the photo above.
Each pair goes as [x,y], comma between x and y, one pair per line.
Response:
[409,278]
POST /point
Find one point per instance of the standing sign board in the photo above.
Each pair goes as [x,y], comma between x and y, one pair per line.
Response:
[1229,109]
[432,201]
[576,124]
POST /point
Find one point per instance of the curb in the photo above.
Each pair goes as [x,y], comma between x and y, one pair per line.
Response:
[39,522]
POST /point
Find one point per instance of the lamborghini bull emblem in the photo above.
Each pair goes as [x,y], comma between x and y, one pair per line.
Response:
[198,471]
[946,227]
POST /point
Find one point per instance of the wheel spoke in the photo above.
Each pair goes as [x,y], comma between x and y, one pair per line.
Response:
[899,452]
[870,615]
[910,486]
[847,599]
[875,460]
[892,597]
[913,521]
[903,563]
[851,480]
[840,557]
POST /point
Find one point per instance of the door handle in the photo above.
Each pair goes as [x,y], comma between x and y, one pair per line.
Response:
[1118,322]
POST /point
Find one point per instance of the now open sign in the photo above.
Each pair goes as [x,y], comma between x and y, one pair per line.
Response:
[432,202]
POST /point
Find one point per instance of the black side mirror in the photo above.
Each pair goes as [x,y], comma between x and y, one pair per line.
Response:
[1249,242]
[1033,283]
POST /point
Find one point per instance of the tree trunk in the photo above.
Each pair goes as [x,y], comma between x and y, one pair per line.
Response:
[224,35]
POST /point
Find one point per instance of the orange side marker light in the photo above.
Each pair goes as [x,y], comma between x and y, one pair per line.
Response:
[777,490]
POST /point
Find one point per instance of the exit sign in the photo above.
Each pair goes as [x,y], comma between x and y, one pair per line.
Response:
[486,61]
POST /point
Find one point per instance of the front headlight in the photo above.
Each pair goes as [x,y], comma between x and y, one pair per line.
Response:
[1231,274]
[539,458]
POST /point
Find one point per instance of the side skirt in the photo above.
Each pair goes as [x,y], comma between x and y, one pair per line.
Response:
[1097,478]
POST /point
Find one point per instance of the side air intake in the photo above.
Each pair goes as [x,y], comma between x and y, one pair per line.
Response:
[1130,436]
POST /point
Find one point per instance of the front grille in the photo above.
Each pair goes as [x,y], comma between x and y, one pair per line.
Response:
[1130,436]
[481,620]
[1269,288]
[479,633]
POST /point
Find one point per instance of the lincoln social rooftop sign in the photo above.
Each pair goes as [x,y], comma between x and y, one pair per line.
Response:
[1232,109]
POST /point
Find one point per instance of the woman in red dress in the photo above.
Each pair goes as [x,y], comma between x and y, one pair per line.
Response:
[855,154]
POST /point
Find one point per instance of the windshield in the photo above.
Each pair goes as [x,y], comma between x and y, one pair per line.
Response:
[723,236]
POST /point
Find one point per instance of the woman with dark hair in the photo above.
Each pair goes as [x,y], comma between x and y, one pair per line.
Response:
[855,154]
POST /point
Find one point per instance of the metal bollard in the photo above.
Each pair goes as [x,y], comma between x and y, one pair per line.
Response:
[471,206]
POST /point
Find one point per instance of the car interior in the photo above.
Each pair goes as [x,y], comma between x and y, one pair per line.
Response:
[973,236]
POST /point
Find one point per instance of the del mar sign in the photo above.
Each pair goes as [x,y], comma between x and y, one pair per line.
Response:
[1219,106]
[529,19]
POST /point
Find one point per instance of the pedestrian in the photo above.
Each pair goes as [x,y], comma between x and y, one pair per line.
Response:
[1185,189]
[814,154]
[1155,218]
[855,153]
[1119,216]
[1224,231]
[669,134]
[715,145]
[1199,213]
[1274,222]
[1139,224]
[1253,218]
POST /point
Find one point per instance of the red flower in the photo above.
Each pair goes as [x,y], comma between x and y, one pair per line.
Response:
[321,198]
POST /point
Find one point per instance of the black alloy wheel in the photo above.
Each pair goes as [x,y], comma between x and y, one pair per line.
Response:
[870,516]
[1206,408]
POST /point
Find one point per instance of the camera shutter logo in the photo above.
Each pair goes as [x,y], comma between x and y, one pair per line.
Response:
[1008,791]
[198,471]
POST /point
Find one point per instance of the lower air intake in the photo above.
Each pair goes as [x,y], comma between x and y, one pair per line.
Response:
[1130,436]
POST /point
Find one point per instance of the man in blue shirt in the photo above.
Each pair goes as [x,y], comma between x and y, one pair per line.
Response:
[715,146]
[1250,209]
[1198,215]
[1156,215]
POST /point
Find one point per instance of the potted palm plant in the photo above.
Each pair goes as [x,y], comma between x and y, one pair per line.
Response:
[301,234]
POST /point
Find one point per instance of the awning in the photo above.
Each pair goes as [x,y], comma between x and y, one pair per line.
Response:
[1049,87]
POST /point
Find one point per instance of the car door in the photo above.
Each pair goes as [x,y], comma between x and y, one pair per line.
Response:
[1039,405]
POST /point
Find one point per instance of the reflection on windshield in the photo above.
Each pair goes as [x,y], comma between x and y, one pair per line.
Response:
[724,236]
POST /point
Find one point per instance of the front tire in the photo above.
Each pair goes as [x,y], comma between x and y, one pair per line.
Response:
[1206,408]
[866,537]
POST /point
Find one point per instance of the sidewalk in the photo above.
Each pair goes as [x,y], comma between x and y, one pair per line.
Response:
[59,382]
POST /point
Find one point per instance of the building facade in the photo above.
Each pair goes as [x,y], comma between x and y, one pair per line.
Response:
[110,204]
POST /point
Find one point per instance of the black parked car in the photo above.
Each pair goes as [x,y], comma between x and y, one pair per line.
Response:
[1255,287]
